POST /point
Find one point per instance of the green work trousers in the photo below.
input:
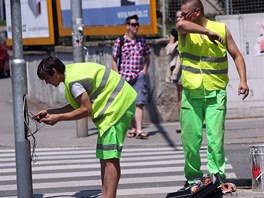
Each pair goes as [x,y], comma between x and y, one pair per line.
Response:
[197,107]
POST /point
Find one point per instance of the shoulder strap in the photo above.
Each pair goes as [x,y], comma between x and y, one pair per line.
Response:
[121,38]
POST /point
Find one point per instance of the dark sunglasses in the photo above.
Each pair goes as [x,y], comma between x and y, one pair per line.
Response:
[133,24]
[183,14]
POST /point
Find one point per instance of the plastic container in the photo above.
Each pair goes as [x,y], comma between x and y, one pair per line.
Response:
[257,167]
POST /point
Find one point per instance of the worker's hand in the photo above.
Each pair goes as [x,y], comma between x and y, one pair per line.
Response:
[41,114]
[215,37]
[50,119]
[243,89]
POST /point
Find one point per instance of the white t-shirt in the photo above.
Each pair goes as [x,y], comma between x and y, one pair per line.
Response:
[77,89]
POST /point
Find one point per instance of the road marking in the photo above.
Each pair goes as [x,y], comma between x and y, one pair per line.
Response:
[59,170]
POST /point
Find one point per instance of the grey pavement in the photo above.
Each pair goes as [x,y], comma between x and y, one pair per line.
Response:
[238,131]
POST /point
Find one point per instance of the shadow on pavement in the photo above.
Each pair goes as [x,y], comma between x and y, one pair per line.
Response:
[81,194]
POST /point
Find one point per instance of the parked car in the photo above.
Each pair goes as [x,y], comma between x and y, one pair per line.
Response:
[4,59]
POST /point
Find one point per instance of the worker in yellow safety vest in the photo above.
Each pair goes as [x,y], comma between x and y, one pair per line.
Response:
[93,90]
[203,46]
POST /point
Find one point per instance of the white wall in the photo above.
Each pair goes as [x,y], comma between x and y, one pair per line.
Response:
[246,30]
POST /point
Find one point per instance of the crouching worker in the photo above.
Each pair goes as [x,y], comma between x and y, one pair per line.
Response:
[93,90]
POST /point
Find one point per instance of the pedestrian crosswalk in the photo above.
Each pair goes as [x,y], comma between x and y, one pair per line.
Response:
[75,172]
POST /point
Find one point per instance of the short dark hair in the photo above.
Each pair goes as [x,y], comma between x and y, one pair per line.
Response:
[47,64]
[128,19]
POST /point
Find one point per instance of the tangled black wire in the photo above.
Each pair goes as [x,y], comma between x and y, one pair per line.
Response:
[29,133]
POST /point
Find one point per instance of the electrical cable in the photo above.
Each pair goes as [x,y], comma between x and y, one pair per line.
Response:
[29,133]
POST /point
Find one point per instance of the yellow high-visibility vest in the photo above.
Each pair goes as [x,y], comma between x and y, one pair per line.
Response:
[110,95]
[204,63]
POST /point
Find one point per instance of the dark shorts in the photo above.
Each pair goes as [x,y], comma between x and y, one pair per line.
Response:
[141,87]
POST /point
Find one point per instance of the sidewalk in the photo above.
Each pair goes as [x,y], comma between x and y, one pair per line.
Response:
[245,131]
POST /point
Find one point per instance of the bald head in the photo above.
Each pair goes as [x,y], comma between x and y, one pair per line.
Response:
[194,4]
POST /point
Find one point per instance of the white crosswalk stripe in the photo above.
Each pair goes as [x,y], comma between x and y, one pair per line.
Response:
[75,172]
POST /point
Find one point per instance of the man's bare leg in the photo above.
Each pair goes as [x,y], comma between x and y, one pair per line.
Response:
[139,122]
[139,118]
[110,175]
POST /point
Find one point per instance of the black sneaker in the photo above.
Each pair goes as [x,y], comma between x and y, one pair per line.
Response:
[186,186]
[217,177]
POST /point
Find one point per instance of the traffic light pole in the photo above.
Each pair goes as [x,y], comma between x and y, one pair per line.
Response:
[78,54]
[19,86]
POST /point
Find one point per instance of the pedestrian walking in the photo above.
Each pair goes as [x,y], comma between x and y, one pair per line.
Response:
[203,46]
[130,58]
[93,90]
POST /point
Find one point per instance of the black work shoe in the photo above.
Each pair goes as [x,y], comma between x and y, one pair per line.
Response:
[186,186]
[217,177]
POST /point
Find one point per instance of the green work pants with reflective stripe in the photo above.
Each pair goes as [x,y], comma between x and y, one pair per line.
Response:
[196,108]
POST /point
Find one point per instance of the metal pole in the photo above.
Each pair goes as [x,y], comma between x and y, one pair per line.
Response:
[19,86]
[163,8]
[1,10]
[78,55]
[231,7]
[227,7]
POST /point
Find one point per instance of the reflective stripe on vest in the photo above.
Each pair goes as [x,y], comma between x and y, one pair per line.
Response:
[205,71]
[109,94]
[203,58]
[102,85]
[89,87]
[203,62]
[110,99]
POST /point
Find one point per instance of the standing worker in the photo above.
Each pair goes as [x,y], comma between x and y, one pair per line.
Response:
[93,90]
[203,46]
[132,52]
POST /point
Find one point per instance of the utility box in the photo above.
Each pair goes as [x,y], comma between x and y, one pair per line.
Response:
[248,32]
